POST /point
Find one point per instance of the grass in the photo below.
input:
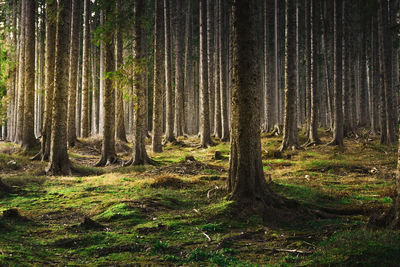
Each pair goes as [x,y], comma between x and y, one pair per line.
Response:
[152,215]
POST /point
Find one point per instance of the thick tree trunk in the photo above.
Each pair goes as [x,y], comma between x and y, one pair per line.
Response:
[205,135]
[217,49]
[85,71]
[246,182]
[108,155]
[59,161]
[158,81]
[223,54]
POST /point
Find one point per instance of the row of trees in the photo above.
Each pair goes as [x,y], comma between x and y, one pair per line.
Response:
[126,67]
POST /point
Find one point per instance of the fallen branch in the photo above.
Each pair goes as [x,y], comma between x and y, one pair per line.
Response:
[208,237]
[295,251]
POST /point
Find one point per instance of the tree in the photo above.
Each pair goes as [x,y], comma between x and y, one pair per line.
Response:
[59,161]
[222,77]
[108,155]
[28,138]
[337,87]
[120,132]
[205,135]
[179,96]
[169,130]
[85,71]
[157,92]
[290,129]
[313,138]
[51,25]
[246,182]
[73,72]
[139,154]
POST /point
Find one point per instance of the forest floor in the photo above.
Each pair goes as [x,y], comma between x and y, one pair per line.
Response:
[176,213]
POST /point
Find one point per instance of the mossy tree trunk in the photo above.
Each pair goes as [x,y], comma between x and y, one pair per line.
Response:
[59,161]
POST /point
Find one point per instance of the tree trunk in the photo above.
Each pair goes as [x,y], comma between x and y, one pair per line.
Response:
[21,77]
[205,135]
[139,154]
[158,81]
[85,71]
[120,132]
[59,161]
[179,94]
[217,95]
[73,72]
[108,155]
[246,182]
[337,98]
[289,138]
[169,127]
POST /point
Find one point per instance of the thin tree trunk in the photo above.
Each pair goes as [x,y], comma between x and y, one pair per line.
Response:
[85,71]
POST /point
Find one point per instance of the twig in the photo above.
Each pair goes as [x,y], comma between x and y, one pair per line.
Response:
[289,251]
[208,237]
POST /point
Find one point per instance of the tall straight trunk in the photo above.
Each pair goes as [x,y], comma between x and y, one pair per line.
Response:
[101,70]
[271,104]
[95,88]
[158,81]
[21,76]
[375,77]
[210,65]
[314,96]
[139,154]
[28,138]
[59,161]
[188,70]
[108,155]
[246,182]
[85,71]
[169,127]
[73,73]
[217,95]
[289,139]
[338,98]
[223,54]
[205,135]
[120,132]
[363,122]
[49,81]
[179,93]
[308,58]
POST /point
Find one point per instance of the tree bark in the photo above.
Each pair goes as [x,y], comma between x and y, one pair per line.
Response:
[85,71]
[108,155]
[205,135]
[338,99]
[139,154]
[158,81]
[246,182]
[120,132]
[289,138]
[73,72]
[59,162]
